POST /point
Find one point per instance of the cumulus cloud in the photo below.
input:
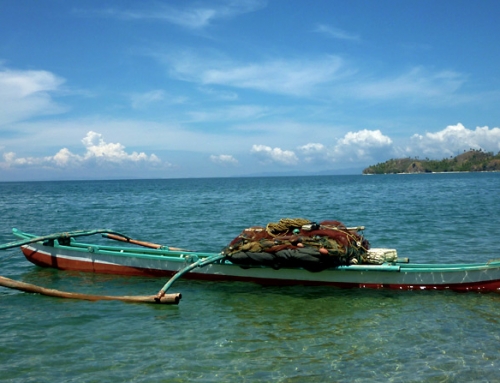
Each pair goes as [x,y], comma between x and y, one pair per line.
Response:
[313,152]
[312,148]
[454,139]
[266,154]
[98,152]
[361,145]
[354,147]
[111,152]
[357,146]
[11,160]
[27,93]
[365,138]
[224,159]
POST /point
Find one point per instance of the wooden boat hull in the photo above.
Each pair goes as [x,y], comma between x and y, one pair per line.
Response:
[110,260]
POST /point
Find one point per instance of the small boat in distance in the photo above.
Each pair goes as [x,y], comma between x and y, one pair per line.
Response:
[63,251]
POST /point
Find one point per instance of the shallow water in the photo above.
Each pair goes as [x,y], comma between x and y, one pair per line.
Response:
[246,332]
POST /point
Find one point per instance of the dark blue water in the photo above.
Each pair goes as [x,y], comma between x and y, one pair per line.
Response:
[225,332]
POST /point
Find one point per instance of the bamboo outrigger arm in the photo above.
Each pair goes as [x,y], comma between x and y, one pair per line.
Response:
[200,263]
[67,234]
[29,288]
[172,299]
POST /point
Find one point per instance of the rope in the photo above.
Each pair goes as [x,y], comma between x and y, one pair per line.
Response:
[350,237]
[284,225]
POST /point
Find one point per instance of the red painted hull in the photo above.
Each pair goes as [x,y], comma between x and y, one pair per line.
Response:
[371,280]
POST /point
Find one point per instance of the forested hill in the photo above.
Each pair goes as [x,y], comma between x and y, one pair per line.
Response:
[471,161]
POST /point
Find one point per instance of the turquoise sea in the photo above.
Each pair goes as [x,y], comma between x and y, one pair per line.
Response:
[242,332]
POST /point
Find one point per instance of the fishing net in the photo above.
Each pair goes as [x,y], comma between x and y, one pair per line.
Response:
[298,242]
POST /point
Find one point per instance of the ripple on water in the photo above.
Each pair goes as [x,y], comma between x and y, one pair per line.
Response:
[245,332]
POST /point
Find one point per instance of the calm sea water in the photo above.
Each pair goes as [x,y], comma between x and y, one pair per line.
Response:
[227,332]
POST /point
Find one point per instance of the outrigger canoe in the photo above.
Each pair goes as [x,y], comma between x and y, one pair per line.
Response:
[137,258]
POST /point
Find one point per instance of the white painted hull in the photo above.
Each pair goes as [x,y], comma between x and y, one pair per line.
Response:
[478,277]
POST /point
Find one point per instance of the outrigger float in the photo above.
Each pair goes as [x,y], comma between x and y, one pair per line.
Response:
[290,252]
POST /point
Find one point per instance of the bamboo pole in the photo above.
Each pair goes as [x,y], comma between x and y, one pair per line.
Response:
[200,263]
[68,234]
[140,243]
[172,299]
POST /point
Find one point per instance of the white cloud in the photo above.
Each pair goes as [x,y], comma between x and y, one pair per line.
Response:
[313,152]
[98,152]
[154,97]
[11,160]
[293,77]
[191,17]
[237,112]
[312,148]
[335,33]
[329,77]
[219,94]
[454,139]
[365,138]
[142,100]
[224,159]
[112,152]
[354,147]
[290,77]
[277,155]
[363,145]
[417,84]
[25,94]
[64,158]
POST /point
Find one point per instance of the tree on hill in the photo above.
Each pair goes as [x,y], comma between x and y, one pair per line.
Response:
[469,161]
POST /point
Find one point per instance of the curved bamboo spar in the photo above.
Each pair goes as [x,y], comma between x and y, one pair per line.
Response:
[172,299]
[200,263]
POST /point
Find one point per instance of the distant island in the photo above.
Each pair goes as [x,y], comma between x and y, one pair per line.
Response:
[471,161]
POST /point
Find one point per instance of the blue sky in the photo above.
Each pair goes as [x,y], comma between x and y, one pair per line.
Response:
[167,89]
